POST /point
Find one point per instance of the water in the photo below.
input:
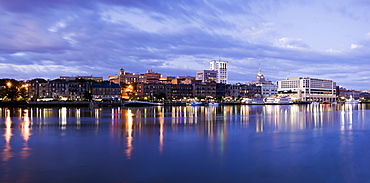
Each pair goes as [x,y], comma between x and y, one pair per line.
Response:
[297,143]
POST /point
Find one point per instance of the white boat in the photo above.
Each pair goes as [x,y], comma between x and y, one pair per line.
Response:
[315,103]
[278,100]
[253,101]
[352,101]
[195,103]
[215,104]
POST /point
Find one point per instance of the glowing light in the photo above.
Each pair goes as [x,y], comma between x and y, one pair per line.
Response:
[25,151]
[7,154]
[129,134]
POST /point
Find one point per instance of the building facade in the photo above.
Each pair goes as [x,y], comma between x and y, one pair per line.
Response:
[268,88]
[129,78]
[221,68]
[308,89]
[93,78]
[242,91]
[108,91]
[207,76]
[152,90]
[58,89]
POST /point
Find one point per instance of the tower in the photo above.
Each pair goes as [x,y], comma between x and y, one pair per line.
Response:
[221,68]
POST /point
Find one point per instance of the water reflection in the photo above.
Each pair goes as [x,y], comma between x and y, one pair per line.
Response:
[25,133]
[212,122]
[7,154]
[129,129]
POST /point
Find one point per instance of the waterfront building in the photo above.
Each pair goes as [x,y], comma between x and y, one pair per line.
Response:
[109,91]
[220,90]
[242,91]
[221,68]
[77,89]
[93,78]
[37,88]
[308,89]
[267,87]
[204,89]
[165,90]
[196,89]
[58,89]
[207,76]
[129,78]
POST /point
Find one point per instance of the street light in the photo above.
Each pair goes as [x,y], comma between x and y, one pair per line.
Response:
[9,84]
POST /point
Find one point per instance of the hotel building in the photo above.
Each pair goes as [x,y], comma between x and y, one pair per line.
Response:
[308,89]
[221,68]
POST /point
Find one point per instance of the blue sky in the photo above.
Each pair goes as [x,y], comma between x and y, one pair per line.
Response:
[319,39]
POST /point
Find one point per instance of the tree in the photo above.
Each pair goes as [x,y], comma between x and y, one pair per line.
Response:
[12,92]
[23,93]
[2,92]
[160,96]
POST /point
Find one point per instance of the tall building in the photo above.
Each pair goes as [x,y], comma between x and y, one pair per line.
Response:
[221,68]
[267,87]
[207,76]
[308,89]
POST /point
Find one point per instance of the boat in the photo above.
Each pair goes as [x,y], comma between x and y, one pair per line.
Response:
[351,101]
[195,103]
[215,104]
[253,101]
[278,100]
[141,104]
[315,103]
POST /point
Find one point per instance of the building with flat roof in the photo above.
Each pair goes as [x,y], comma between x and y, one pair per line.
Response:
[308,89]
[221,68]
[129,78]
[206,76]
[68,78]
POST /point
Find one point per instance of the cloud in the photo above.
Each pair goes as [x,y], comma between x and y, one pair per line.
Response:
[354,46]
[295,43]
[62,37]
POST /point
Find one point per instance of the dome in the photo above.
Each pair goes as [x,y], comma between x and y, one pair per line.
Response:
[260,77]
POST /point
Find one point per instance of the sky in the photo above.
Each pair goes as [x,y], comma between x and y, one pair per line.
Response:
[325,39]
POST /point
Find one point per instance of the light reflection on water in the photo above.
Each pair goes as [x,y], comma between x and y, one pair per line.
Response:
[281,127]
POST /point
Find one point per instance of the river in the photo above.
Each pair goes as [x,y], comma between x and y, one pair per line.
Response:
[248,143]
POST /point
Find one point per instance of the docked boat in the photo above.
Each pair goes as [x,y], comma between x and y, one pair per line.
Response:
[278,100]
[195,103]
[214,104]
[351,101]
[253,101]
[315,103]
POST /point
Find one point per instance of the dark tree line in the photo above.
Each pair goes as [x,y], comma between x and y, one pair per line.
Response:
[12,89]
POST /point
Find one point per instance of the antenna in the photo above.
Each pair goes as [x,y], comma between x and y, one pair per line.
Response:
[259,64]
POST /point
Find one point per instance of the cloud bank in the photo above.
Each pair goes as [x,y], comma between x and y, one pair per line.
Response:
[287,38]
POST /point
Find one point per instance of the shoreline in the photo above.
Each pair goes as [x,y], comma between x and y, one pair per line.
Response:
[106,104]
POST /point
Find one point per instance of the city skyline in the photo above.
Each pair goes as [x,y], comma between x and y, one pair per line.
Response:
[327,40]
